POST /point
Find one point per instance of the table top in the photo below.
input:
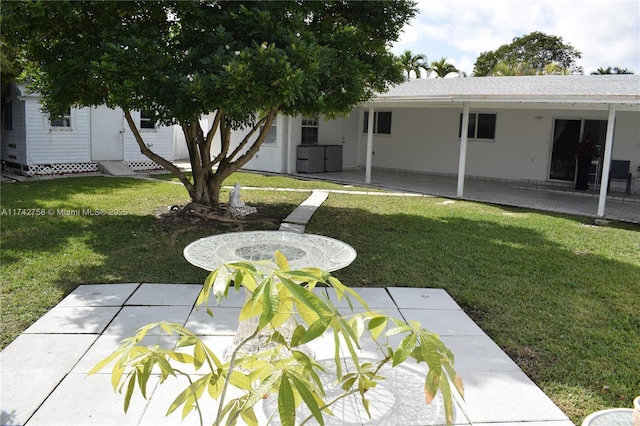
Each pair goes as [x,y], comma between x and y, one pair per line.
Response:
[301,250]
[610,417]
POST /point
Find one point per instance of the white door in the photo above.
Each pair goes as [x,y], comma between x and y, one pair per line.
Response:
[107,131]
[350,140]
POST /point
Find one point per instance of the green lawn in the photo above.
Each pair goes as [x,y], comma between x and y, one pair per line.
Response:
[560,296]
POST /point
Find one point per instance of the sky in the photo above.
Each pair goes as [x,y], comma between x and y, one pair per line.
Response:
[607,32]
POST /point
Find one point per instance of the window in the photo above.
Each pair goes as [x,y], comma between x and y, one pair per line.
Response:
[270,139]
[63,120]
[381,122]
[147,120]
[8,115]
[309,130]
[481,126]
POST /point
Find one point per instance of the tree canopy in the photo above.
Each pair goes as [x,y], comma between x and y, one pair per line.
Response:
[244,61]
[537,50]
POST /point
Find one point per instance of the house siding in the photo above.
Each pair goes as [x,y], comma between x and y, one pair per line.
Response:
[48,145]
[160,140]
[270,157]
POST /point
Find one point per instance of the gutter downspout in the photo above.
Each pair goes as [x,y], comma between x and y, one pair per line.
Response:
[606,162]
[463,149]
[367,178]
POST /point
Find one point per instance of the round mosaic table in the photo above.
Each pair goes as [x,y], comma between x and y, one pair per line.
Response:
[611,417]
[301,250]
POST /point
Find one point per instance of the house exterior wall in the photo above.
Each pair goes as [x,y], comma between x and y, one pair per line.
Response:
[272,157]
[160,140]
[43,149]
[426,140]
[50,145]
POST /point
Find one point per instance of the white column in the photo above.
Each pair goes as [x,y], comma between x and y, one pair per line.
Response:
[290,148]
[367,178]
[463,149]
[606,161]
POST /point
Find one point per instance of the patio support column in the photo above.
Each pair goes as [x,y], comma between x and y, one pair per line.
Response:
[289,144]
[367,178]
[463,149]
[606,161]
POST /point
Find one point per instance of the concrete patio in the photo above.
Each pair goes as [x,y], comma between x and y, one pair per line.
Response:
[45,382]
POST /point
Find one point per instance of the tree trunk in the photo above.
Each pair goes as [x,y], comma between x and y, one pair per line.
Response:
[206,185]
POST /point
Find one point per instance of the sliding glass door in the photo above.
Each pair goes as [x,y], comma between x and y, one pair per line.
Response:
[567,133]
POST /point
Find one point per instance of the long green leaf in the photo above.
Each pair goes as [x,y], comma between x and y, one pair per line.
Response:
[99,366]
[302,295]
[376,325]
[129,393]
[286,402]
[314,331]
[249,416]
[281,261]
[302,386]
[263,389]
[270,304]
[199,355]
[404,349]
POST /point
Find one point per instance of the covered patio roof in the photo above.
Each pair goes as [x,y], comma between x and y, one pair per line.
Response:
[593,91]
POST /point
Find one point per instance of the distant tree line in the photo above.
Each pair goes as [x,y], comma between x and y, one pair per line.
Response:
[532,54]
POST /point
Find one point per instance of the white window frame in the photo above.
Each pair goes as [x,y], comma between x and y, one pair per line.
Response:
[272,136]
[310,123]
[147,118]
[65,121]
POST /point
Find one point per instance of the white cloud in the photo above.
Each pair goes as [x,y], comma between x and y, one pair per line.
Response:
[606,32]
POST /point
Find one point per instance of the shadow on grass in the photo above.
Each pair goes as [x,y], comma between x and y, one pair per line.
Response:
[96,230]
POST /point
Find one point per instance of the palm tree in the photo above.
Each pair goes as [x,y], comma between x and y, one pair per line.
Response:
[610,70]
[509,69]
[442,68]
[556,69]
[410,62]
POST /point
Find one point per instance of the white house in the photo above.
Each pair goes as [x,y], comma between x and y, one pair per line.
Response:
[518,128]
[77,141]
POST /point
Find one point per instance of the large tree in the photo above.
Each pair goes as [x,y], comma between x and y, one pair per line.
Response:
[537,50]
[244,62]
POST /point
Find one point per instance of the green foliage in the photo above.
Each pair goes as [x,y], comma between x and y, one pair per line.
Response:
[410,62]
[611,70]
[279,295]
[536,49]
[442,67]
[244,61]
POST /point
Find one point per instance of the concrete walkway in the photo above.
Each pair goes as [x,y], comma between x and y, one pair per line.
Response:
[541,196]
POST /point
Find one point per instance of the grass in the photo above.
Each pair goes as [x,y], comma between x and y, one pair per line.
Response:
[560,296]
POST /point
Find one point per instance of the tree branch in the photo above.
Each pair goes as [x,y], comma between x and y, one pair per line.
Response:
[144,149]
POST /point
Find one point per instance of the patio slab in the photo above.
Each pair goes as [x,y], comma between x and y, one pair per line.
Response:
[44,379]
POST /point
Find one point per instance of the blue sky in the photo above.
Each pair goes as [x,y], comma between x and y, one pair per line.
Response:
[607,32]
